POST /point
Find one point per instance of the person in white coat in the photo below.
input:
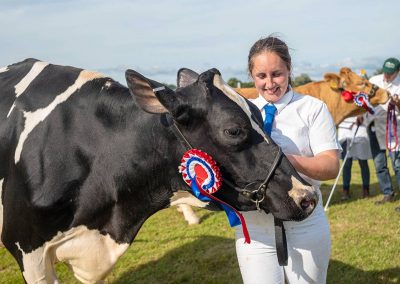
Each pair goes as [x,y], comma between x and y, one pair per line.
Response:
[360,150]
[377,130]
[306,132]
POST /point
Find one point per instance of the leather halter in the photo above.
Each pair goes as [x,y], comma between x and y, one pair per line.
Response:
[257,195]
[370,94]
[373,90]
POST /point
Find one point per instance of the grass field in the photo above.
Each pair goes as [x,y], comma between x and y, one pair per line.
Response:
[365,246]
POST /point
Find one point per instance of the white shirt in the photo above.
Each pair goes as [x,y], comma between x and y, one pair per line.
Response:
[380,115]
[302,126]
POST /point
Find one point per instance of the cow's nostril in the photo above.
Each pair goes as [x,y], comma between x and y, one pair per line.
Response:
[307,203]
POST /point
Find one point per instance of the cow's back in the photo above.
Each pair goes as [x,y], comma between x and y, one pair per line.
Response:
[312,89]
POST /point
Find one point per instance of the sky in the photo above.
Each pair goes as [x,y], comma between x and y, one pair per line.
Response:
[157,38]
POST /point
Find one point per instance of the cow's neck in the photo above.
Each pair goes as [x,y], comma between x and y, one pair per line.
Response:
[153,167]
[338,107]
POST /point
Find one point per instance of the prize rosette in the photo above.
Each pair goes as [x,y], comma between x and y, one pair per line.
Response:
[202,174]
[361,100]
[196,164]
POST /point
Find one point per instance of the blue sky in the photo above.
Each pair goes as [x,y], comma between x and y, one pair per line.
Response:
[158,37]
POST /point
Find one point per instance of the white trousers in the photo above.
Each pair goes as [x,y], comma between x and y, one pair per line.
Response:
[308,245]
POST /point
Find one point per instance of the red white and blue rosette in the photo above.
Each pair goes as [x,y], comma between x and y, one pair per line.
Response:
[202,174]
[196,164]
[361,100]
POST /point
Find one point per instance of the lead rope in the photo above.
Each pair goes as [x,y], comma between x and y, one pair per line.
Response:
[280,242]
[391,128]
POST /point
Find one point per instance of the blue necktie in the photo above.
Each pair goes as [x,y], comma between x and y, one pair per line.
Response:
[270,110]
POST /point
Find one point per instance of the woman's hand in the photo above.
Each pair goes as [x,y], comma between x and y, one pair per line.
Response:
[323,166]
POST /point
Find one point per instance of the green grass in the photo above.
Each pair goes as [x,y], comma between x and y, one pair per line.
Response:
[365,245]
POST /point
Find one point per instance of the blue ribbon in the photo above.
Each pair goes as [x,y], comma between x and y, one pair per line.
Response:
[234,220]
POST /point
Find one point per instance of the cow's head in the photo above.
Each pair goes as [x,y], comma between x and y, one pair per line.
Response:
[350,81]
[215,119]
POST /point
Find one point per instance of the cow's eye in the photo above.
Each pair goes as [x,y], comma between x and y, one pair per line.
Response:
[233,132]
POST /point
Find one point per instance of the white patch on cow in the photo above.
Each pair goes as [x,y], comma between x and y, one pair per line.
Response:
[32,119]
[108,84]
[299,191]
[36,69]
[90,255]
[239,100]
[3,69]
[184,197]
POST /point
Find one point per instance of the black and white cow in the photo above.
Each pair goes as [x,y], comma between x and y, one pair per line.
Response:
[84,161]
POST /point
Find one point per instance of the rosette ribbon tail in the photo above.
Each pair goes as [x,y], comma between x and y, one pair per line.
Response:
[235,217]
[367,107]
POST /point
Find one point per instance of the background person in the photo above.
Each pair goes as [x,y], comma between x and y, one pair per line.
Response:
[377,130]
[304,129]
[360,150]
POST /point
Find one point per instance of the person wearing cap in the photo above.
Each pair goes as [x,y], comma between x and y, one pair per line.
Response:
[389,81]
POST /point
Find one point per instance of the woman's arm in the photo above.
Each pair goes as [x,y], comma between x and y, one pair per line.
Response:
[323,166]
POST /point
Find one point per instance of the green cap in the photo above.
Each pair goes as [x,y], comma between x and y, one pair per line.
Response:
[391,65]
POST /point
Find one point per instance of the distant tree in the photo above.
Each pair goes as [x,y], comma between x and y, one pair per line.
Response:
[301,80]
[248,85]
[235,83]
[171,86]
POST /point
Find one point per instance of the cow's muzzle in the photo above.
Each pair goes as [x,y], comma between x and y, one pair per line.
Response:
[306,200]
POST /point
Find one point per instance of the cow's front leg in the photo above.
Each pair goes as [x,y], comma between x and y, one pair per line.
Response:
[188,213]
[38,266]
[90,254]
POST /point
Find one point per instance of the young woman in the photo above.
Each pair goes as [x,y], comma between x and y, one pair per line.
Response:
[304,129]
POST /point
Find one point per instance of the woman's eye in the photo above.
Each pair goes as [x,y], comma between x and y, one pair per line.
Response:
[233,132]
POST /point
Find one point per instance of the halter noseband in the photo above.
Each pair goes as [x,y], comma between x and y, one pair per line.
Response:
[373,90]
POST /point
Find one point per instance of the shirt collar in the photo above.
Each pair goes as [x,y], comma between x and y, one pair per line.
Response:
[260,102]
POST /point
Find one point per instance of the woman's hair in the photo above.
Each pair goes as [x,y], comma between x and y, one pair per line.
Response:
[270,44]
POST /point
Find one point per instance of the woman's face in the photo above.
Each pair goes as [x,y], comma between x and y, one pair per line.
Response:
[270,75]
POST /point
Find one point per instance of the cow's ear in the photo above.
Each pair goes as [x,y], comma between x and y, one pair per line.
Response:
[186,77]
[345,75]
[150,95]
[333,80]
[345,72]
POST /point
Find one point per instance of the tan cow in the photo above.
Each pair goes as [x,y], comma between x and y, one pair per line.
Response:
[329,90]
